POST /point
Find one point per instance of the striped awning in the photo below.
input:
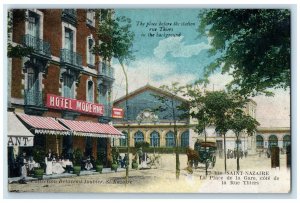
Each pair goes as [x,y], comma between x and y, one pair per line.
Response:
[86,128]
[44,125]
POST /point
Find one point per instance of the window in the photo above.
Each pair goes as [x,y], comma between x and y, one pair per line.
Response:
[32,79]
[259,141]
[90,18]
[170,139]
[273,141]
[33,24]
[68,39]
[138,137]
[90,55]
[33,94]
[68,90]
[90,91]
[185,139]
[123,141]
[154,139]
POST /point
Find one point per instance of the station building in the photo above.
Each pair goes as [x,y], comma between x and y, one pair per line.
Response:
[147,123]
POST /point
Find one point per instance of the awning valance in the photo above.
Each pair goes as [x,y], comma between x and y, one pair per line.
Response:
[86,128]
[18,134]
[44,125]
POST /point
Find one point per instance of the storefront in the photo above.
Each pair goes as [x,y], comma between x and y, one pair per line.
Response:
[19,138]
[63,136]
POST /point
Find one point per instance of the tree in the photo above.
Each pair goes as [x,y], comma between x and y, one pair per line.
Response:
[242,122]
[168,104]
[253,45]
[116,42]
[214,109]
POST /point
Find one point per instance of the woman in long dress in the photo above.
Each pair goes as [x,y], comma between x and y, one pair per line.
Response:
[57,166]
[48,161]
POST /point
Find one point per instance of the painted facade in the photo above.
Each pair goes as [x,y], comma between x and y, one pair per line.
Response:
[63,64]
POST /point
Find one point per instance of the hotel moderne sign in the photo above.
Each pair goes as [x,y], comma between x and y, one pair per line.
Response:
[58,102]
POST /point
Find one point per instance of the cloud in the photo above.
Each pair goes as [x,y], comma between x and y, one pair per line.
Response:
[177,48]
[148,70]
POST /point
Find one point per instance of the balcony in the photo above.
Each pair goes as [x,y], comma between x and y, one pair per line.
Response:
[69,16]
[33,102]
[71,59]
[41,48]
[33,98]
[106,72]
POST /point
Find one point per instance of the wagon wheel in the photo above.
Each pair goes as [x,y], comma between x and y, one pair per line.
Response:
[207,163]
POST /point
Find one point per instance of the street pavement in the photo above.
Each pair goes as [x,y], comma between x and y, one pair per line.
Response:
[162,179]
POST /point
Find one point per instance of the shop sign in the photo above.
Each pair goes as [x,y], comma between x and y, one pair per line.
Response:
[117,112]
[20,141]
[57,102]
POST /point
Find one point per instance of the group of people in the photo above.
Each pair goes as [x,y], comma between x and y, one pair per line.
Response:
[56,164]
[27,166]
[122,161]
[232,154]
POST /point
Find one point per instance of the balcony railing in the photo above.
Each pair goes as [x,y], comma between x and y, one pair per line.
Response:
[106,71]
[70,57]
[70,16]
[39,46]
[33,98]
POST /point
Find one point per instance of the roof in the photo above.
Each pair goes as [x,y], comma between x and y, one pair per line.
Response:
[143,89]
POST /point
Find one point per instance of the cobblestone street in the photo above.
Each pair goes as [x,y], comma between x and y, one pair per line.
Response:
[163,179]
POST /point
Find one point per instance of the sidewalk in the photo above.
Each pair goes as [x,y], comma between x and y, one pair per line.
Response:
[65,175]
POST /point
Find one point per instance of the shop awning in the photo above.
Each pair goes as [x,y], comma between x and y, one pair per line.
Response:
[44,125]
[86,128]
[18,134]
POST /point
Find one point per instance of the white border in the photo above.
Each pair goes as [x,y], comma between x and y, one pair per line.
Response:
[155,4]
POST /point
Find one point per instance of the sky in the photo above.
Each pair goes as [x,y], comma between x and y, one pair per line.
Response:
[169,49]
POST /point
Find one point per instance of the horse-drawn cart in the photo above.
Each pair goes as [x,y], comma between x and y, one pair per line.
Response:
[204,153]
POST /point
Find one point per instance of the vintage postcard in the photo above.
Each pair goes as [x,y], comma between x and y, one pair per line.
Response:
[170,100]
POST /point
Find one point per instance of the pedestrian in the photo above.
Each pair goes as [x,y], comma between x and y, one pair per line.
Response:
[228,154]
[48,161]
[23,168]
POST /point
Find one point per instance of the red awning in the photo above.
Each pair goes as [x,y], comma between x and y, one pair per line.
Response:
[44,125]
[85,128]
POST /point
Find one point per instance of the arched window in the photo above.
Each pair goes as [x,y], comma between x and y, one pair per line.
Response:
[154,139]
[170,139]
[286,141]
[90,91]
[138,137]
[259,141]
[273,141]
[185,139]
[123,141]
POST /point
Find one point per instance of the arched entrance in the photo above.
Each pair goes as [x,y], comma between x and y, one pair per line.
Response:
[286,141]
[259,142]
[273,141]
